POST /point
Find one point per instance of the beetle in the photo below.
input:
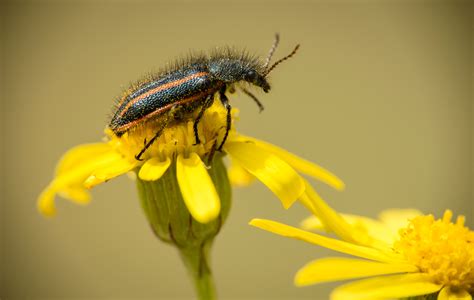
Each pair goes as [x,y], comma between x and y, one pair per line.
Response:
[191,85]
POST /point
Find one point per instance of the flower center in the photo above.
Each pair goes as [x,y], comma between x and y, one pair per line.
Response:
[177,138]
[440,248]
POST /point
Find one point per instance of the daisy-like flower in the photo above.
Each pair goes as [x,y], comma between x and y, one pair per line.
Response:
[183,187]
[86,166]
[405,253]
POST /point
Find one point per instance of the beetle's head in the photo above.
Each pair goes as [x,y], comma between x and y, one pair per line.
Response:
[254,77]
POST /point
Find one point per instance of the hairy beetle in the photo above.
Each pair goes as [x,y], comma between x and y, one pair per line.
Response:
[191,85]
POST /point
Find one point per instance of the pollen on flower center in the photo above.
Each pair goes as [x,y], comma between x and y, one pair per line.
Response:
[176,138]
[441,249]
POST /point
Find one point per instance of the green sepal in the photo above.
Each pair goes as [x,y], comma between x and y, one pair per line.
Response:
[171,221]
[167,214]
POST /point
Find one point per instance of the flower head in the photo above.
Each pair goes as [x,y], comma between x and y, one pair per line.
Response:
[86,166]
[440,248]
[407,254]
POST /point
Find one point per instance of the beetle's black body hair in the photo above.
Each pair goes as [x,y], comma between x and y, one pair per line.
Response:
[190,84]
[247,59]
[192,58]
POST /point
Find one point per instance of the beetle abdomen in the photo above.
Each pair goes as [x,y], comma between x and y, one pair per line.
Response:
[158,96]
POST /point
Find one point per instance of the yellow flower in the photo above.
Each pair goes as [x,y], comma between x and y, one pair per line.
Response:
[88,165]
[409,254]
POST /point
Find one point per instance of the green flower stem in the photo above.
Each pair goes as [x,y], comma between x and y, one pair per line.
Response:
[196,261]
[171,222]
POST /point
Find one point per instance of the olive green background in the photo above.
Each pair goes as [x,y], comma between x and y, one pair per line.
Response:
[380,93]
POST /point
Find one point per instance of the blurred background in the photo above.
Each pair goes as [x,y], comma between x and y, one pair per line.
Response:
[380,93]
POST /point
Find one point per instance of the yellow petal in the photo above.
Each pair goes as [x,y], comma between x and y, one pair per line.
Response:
[46,202]
[386,287]
[276,174]
[334,222]
[381,235]
[153,169]
[75,166]
[77,155]
[374,228]
[312,223]
[302,165]
[329,217]
[76,175]
[447,294]
[238,176]
[332,269]
[111,166]
[197,188]
[76,194]
[395,219]
[333,244]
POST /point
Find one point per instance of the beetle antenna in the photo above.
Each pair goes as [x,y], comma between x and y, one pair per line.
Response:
[272,50]
[281,60]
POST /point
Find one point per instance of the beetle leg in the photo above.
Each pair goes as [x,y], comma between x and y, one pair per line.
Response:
[226,104]
[207,103]
[150,142]
[158,133]
[210,156]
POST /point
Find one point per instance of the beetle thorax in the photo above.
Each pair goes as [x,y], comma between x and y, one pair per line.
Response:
[234,70]
[228,70]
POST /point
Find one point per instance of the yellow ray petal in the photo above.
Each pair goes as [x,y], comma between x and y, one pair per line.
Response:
[386,287]
[113,165]
[76,194]
[374,228]
[76,156]
[333,244]
[329,217]
[447,294]
[394,219]
[332,269]
[153,169]
[72,172]
[334,222]
[302,165]
[76,175]
[238,176]
[276,174]
[313,223]
[46,204]
[197,188]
